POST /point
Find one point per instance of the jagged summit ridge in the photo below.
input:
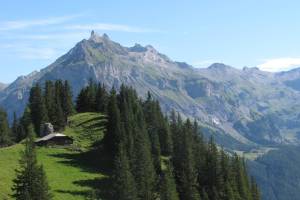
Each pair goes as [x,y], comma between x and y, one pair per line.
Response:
[97,38]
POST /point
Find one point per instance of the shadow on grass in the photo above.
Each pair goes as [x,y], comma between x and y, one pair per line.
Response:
[95,161]
[100,119]
[99,187]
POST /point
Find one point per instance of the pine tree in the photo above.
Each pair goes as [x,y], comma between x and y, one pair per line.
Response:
[241,180]
[101,99]
[153,128]
[184,161]
[254,190]
[168,189]
[213,169]
[113,128]
[124,187]
[82,101]
[144,170]
[30,182]
[15,128]
[49,96]
[42,185]
[205,195]
[5,133]
[66,100]
[37,107]
[25,122]
[59,121]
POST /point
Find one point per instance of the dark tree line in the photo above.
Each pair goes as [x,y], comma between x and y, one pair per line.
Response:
[158,157]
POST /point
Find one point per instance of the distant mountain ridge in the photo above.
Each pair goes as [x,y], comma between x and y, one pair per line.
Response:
[243,108]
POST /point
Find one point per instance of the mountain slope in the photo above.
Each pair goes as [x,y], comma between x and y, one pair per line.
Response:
[247,107]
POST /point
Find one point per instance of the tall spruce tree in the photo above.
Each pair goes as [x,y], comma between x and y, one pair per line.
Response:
[101,98]
[153,129]
[25,122]
[113,136]
[254,190]
[37,108]
[59,121]
[30,182]
[124,187]
[5,133]
[188,174]
[15,128]
[82,101]
[66,99]
[168,189]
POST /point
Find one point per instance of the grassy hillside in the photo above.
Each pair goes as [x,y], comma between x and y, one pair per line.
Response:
[72,172]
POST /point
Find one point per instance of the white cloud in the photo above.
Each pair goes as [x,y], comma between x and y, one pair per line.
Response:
[29,52]
[109,27]
[48,36]
[22,24]
[37,53]
[279,64]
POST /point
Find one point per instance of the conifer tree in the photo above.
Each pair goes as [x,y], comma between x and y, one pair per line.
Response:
[168,189]
[5,133]
[241,179]
[213,169]
[59,121]
[124,187]
[153,128]
[82,101]
[37,108]
[66,99]
[30,182]
[49,96]
[254,190]
[205,195]
[144,171]
[184,160]
[113,128]
[25,122]
[101,98]
[15,128]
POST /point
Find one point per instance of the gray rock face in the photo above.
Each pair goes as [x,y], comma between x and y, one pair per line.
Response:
[248,106]
[46,129]
[2,86]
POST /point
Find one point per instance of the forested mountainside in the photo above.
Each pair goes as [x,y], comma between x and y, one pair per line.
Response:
[142,154]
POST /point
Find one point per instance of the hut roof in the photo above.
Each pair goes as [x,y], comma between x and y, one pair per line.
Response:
[50,136]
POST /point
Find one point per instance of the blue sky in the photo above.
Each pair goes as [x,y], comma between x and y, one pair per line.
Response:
[263,33]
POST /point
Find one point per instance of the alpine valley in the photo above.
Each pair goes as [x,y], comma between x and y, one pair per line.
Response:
[248,111]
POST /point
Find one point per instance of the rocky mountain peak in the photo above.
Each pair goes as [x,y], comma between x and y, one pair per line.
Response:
[250,68]
[137,48]
[97,38]
[220,67]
